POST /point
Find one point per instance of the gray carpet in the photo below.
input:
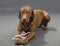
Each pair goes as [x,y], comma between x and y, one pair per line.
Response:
[9,21]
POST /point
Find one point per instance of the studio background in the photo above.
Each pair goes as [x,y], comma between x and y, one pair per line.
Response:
[9,21]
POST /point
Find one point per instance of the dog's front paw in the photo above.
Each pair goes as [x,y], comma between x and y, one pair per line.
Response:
[25,41]
[17,41]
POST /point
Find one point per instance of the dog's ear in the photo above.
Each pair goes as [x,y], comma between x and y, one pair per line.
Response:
[32,17]
[32,12]
[19,16]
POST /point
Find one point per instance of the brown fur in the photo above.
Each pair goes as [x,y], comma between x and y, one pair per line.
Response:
[39,18]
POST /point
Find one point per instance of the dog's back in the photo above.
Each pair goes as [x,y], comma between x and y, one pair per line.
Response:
[40,15]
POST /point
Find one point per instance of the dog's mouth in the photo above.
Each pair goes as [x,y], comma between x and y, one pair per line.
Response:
[25,24]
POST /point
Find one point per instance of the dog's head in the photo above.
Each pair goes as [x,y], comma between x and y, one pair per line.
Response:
[26,15]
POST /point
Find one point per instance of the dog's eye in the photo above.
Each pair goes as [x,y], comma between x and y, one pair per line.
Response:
[28,12]
[23,12]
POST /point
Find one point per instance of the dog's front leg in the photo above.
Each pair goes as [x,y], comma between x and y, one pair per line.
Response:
[19,30]
[31,35]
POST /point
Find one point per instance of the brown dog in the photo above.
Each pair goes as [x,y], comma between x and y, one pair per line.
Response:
[29,20]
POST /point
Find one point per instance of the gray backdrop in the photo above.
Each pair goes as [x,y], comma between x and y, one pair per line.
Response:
[9,21]
[11,6]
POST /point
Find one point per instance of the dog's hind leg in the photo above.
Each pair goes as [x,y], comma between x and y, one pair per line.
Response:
[43,24]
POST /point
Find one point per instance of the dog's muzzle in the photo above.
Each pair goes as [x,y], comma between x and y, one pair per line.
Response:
[24,22]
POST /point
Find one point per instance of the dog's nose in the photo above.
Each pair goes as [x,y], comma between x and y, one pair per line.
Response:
[24,20]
